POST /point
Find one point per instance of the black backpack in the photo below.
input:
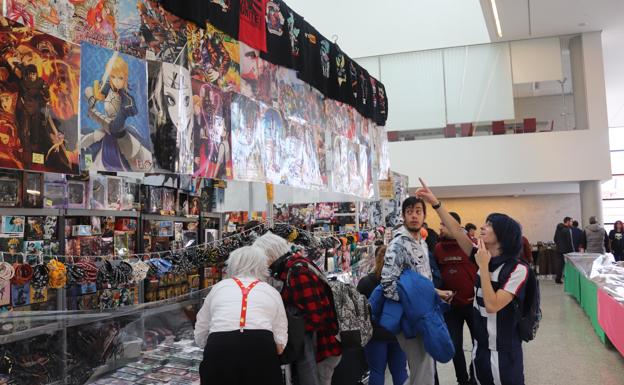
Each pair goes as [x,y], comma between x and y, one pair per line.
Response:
[528,312]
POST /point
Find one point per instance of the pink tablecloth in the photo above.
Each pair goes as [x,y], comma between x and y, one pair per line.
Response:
[610,316]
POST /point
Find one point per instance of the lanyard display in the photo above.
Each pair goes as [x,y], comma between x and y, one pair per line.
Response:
[245,291]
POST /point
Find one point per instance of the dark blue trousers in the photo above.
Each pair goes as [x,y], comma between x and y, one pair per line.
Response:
[380,354]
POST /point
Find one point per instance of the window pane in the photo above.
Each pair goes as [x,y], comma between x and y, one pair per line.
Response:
[617,162]
[616,138]
[613,211]
[614,188]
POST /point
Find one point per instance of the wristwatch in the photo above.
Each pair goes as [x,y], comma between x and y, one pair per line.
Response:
[435,207]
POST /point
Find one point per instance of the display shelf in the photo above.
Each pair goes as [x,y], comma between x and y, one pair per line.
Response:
[158,217]
[27,212]
[31,332]
[101,213]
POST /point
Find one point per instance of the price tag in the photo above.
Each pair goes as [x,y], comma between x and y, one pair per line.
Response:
[37,158]
[88,160]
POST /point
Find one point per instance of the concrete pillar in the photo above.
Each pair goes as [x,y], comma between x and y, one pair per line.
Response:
[591,201]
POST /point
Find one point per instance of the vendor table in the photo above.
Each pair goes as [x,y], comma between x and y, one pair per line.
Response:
[578,284]
[610,317]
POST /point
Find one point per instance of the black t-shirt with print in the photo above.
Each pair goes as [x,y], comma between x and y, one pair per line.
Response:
[339,82]
[284,50]
[381,114]
[224,15]
[196,11]
[315,64]
[278,34]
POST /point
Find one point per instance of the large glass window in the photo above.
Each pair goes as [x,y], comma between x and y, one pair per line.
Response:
[616,138]
[617,162]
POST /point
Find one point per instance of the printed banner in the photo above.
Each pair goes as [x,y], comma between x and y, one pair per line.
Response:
[95,22]
[258,76]
[247,140]
[274,129]
[39,88]
[171,117]
[211,110]
[52,17]
[290,91]
[214,57]
[113,113]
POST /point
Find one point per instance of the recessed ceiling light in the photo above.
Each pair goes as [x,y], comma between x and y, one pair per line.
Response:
[499,30]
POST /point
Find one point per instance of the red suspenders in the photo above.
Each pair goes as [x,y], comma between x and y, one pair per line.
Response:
[245,291]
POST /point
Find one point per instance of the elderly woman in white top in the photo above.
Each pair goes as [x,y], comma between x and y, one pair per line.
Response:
[242,325]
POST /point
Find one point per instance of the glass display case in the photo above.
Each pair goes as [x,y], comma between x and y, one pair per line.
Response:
[149,343]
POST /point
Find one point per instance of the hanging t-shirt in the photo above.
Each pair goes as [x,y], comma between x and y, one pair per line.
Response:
[314,61]
[224,15]
[382,105]
[339,83]
[278,34]
[196,11]
[252,27]
[363,101]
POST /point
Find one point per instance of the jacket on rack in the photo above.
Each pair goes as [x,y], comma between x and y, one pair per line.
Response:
[419,311]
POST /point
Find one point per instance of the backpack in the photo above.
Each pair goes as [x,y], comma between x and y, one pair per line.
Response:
[528,312]
[353,313]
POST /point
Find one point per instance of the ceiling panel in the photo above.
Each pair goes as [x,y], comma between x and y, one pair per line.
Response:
[514,18]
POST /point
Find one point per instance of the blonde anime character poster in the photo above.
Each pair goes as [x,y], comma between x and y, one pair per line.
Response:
[39,92]
[214,57]
[115,134]
[247,140]
[171,117]
[212,140]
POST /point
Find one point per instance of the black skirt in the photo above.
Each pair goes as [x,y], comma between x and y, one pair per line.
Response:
[235,358]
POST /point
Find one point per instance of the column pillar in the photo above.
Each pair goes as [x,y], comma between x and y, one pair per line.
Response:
[591,201]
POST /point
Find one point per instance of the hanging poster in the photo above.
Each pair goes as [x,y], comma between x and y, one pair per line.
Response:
[95,22]
[214,57]
[53,17]
[365,172]
[113,112]
[39,88]
[312,174]
[131,27]
[340,174]
[339,117]
[247,140]
[383,152]
[292,155]
[211,114]
[290,90]
[274,129]
[355,185]
[171,117]
[258,76]
[315,107]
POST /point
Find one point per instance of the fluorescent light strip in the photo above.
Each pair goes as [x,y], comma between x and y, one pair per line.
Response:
[499,31]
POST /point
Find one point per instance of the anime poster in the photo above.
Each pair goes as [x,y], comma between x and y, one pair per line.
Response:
[258,76]
[171,117]
[365,173]
[211,116]
[340,119]
[39,88]
[53,17]
[290,95]
[325,211]
[280,213]
[274,129]
[382,152]
[146,30]
[247,140]
[114,127]
[356,183]
[311,173]
[292,155]
[315,107]
[214,57]
[340,172]
[362,129]
[95,22]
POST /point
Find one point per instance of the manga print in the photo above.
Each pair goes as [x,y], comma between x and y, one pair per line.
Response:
[258,76]
[247,140]
[53,17]
[214,57]
[39,88]
[273,126]
[211,114]
[171,117]
[95,22]
[113,119]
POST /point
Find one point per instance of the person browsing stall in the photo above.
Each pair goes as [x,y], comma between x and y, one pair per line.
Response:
[497,353]
[242,317]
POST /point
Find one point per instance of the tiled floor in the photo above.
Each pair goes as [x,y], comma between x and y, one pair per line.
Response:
[566,350]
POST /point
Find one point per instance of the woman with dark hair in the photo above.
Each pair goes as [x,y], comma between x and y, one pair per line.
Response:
[383,350]
[616,237]
[497,353]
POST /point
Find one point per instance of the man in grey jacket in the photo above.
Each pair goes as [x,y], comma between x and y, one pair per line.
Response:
[595,238]
[408,250]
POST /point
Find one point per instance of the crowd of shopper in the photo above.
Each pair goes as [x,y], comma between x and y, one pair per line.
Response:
[250,317]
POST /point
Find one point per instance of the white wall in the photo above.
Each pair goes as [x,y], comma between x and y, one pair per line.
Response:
[523,158]
[545,109]
[538,214]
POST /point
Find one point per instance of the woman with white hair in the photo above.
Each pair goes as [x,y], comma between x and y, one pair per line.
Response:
[242,325]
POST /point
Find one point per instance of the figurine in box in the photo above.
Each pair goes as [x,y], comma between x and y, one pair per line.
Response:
[107,246]
[32,192]
[76,194]
[54,195]
[168,201]
[9,189]
[195,206]
[99,193]
[154,199]
[131,197]
[114,192]
[183,204]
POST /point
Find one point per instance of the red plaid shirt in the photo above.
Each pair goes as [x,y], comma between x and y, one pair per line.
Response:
[312,296]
